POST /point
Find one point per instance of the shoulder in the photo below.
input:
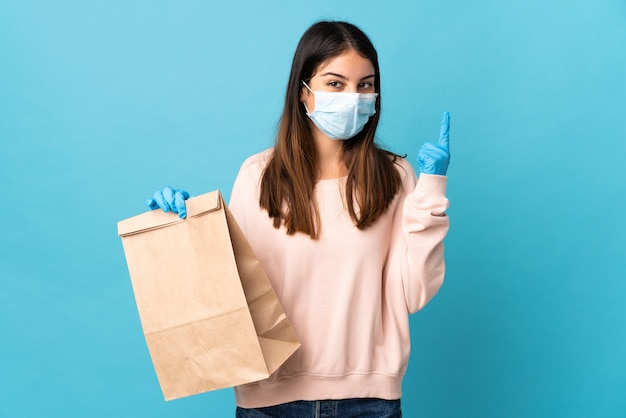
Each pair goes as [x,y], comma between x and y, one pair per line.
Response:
[256,163]
[253,166]
[405,169]
[247,184]
[251,171]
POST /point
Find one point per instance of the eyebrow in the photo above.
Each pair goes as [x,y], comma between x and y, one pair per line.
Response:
[344,77]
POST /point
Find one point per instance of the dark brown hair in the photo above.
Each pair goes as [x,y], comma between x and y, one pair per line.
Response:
[288,182]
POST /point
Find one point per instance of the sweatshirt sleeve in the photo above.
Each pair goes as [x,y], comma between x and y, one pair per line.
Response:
[244,197]
[424,226]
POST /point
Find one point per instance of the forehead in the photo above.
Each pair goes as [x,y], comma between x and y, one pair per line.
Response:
[349,63]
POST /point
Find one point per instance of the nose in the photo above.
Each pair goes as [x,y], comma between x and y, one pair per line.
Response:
[352,88]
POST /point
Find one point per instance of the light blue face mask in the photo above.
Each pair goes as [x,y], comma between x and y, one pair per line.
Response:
[341,116]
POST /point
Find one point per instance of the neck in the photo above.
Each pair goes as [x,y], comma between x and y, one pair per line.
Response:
[329,157]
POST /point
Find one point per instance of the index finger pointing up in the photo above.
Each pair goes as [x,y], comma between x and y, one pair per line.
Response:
[444,132]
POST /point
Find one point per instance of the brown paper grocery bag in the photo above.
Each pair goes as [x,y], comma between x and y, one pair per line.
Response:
[209,314]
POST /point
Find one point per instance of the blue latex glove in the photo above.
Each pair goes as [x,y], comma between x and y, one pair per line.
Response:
[434,157]
[169,199]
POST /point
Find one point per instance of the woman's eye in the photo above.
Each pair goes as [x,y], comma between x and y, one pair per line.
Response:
[365,86]
[334,83]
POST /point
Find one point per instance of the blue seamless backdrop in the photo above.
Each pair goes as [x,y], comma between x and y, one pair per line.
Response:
[101,103]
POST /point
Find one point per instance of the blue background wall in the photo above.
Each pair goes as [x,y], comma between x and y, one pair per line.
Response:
[103,102]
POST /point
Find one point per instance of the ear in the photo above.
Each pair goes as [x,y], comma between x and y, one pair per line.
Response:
[304,94]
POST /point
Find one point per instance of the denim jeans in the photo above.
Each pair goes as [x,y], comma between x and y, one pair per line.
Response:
[345,408]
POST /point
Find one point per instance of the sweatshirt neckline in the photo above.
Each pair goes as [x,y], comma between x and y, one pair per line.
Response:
[330,184]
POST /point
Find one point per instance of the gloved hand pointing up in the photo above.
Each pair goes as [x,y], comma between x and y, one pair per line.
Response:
[434,157]
[169,199]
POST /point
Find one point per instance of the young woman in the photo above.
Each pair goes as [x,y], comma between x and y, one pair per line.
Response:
[350,239]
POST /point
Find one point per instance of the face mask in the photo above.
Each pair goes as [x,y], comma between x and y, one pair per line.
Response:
[341,115]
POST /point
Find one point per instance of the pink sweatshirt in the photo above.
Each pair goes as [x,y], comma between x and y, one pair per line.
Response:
[347,294]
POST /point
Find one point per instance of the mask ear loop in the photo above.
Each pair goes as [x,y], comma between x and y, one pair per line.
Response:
[307,86]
